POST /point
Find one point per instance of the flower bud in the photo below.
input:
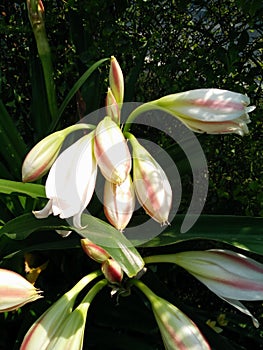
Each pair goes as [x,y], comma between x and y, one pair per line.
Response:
[112,271]
[116,81]
[94,251]
[213,111]
[111,151]
[15,291]
[119,203]
[151,184]
[112,107]
[41,157]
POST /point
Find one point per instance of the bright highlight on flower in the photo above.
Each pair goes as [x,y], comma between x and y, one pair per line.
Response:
[15,291]
[41,157]
[119,203]
[71,181]
[111,151]
[213,111]
[177,330]
[116,81]
[151,184]
[45,329]
[230,275]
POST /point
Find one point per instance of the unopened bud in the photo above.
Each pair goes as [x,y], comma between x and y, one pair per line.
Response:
[116,81]
[112,271]
[94,251]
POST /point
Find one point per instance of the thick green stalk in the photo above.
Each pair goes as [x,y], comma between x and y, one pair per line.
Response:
[36,17]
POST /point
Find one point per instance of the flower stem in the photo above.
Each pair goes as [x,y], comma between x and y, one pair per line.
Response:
[165,258]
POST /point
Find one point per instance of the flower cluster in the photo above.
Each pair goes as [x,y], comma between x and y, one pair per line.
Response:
[71,180]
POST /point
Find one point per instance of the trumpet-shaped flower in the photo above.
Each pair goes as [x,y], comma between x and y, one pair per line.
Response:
[112,152]
[41,157]
[232,276]
[119,203]
[70,335]
[94,251]
[46,327]
[177,330]
[151,184]
[116,81]
[71,181]
[15,291]
[213,111]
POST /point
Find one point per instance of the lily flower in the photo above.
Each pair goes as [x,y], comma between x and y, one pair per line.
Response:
[111,151]
[177,330]
[232,276]
[151,184]
[116,81]
[112,107]
[47,325]
[119,203]
[70,335]
[41,157]
[71,181]
[213,111]
[15,291]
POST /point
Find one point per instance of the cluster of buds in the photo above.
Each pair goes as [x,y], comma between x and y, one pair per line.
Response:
[110,268]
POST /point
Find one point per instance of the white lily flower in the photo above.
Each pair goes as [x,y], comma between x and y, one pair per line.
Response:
[71,181]
[111,151]
[177,330]
[213,111]
[119,203]
[15,291]
[232,276]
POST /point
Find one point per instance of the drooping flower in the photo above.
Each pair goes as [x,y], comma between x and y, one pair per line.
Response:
[112,108]
[94,251]
[47,325]
[213,111]
[232,276]
[119,203]
[15,291]
[151,184]
[177,330]
[71,181]
[111,151]
[41,157]
[116,81]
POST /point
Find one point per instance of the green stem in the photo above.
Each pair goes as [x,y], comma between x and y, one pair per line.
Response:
[79,126]
[82,283]
[92,293]
[166,258]
[36,17]
[143,288]
[146,107]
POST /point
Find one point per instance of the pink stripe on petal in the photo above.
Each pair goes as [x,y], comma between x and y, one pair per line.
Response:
[217,104]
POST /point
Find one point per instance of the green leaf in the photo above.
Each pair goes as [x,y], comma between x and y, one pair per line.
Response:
[114,242]
[99,232]
[240,231]
[74,89]
[28,189]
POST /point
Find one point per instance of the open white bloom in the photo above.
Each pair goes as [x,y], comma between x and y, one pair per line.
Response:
[213,111]
[71,181]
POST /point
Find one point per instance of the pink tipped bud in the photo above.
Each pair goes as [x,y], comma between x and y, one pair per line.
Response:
[94,251]
[119,203]
[116,80]
[15,291]
[151,184]
[112,271]
[112,107]
[111,151]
